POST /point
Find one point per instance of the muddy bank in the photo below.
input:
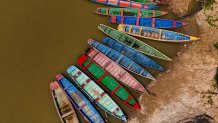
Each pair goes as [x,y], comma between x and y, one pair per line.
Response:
[187,89]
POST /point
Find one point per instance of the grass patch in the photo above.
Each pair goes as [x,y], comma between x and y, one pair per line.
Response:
[210,100]
[211,20]
[208,5]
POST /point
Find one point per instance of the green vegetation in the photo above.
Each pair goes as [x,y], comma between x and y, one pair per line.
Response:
[208,5]
[211,20]
[210,100]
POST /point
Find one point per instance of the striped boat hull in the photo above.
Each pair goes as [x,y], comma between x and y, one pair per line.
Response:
[134,55]
[129,12]
[149,1]
[126,4]
[115,70]
[63,105]
[98,95]
[120,59]
[79,100]
[147,22]
[107,82]
[132,42]
[155,34]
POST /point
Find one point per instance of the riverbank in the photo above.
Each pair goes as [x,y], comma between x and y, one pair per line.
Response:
[187,89]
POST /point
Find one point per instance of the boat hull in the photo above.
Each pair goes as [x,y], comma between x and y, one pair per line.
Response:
[134,55]
[93,91]
[155,34]
[107,82]
[147,22]
[115,70]
[129,12]
[83,105]
[63,105]
[120,59]
[125,4]
[149,1]
[132,42]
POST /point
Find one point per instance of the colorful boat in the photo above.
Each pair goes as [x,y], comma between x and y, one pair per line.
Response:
[154,2]
[115,70]
[120,59]
[155,34]
[126,4]
[129,12]
[132,42]
[134,55]
[63,106]
[93,91]
[147,22]
[79,100]
[107,82]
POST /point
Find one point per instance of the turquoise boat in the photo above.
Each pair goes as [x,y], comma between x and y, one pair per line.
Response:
[94,92]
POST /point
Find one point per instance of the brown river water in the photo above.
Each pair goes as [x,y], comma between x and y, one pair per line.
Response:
[40,38]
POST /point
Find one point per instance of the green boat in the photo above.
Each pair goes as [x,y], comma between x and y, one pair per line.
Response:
[129,12]
[97,94]
[132,42]
[107,82]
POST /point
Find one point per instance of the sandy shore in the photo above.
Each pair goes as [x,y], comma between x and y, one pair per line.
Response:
[187,88]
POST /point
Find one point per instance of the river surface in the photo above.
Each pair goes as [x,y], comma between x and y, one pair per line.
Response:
[41,38]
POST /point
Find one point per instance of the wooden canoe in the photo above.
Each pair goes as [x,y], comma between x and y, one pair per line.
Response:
[107,82]
[126,4]
[134,55]
[147,22]
[115,70]
[155,34]
[79,100]
[93,91]
[132,42]
[120,59]
[154,2]
[129,12]
[63,105]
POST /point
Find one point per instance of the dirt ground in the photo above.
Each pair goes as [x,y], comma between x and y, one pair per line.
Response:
[187,88]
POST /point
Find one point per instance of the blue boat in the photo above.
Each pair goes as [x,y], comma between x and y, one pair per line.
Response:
[134,55]
[79,100]
[147,22]
[120,59]
[126,4]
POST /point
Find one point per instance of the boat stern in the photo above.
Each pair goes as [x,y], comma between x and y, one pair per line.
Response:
[59,76]
[137,106]
[121,27]
[192,38]
[71,68]
[124,118]
[97,11]
[54,85]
